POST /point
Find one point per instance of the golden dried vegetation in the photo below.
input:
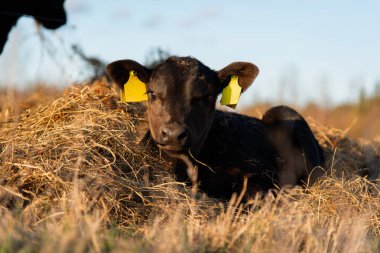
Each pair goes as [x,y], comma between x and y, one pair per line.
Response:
[73,178]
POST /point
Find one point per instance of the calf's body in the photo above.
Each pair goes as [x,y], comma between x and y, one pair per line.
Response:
[277,150]
[237,146]
[265,152]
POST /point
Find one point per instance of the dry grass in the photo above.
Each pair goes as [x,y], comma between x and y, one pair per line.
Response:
[14,101]
[74,179]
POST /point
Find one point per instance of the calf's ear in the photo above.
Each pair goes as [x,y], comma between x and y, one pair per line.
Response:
[245,71]
[119,71]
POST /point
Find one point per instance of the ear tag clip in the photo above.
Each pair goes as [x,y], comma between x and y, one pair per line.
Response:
[231,93]
[134,90]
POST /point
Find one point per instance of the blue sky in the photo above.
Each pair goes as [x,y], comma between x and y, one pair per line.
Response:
[306,50]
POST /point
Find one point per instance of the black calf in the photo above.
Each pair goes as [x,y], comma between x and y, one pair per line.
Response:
[278,150]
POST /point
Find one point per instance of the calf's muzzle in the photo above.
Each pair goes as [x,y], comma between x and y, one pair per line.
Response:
[173,136]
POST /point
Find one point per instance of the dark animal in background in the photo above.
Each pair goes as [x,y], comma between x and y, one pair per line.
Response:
[227,147]
[50,13]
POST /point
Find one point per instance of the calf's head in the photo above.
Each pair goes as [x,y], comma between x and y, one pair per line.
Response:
[182,93]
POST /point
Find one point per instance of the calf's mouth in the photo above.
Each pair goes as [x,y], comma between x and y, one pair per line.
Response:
[173,149]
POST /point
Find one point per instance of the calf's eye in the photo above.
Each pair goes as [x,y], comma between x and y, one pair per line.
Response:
[151,95]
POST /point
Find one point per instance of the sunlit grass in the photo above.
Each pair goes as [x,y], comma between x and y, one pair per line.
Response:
[74,179]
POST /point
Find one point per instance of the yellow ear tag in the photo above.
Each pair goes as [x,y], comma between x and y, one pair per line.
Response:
[134,90]
[231,93]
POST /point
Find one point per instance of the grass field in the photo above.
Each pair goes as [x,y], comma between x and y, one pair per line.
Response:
[74,179]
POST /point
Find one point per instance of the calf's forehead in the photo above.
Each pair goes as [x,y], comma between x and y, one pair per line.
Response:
[187,76]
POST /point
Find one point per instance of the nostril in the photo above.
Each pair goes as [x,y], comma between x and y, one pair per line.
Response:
[182,135]
[164,132]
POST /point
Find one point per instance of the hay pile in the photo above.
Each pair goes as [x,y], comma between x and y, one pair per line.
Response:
[75,165]
[84,141]
[345,156]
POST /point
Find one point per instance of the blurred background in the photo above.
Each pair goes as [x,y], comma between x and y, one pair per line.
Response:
[322,57]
